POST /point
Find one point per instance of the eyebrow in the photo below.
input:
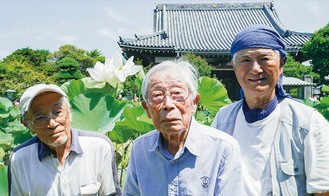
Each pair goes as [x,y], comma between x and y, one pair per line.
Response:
[260,54]
[60,103]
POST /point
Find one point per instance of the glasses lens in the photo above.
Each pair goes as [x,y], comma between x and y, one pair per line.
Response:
[177,94]
[42,121]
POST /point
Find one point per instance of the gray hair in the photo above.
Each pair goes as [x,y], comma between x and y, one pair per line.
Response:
[188,72]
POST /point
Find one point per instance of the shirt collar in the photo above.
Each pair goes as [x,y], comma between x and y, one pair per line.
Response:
[192,141]
[44,150]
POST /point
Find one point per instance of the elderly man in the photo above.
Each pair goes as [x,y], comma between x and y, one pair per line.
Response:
[59,160]
[284,143]
[180,157]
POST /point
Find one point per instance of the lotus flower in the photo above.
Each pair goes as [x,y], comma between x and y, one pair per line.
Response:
[114,71]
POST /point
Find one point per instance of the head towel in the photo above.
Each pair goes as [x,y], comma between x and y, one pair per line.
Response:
[258,36]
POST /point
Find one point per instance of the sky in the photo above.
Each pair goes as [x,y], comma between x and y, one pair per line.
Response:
[97,24]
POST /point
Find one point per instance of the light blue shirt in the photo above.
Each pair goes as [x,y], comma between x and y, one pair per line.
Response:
[208,164]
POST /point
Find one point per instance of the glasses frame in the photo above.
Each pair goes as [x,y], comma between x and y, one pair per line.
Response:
[168,95]
[49,118]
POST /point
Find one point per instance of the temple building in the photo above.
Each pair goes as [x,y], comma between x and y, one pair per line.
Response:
[207,30]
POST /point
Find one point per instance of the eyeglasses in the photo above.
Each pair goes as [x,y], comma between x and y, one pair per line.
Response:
[42,120]
[177,94]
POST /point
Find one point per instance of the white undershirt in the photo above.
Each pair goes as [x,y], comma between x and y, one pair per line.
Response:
[255,141]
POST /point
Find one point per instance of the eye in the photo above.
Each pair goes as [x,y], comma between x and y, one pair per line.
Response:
[264,59]
[40,118]
[245,60]
[156,94]
[57,111]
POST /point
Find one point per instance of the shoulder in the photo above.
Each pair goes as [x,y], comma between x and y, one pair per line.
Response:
[25,151]
[291,108]
[231,106]
[215,134]
[147,141]
[92,140]
[91,135]
[226,112]
[27,144]
[148,137]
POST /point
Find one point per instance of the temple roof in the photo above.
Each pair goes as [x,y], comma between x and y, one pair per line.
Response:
[208,28]
[295,82]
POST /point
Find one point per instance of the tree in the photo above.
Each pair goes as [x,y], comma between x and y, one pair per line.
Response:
[68,69]
[203,67]
[35,57]
[18,76]
[295,69]
[84,58]
[317,49]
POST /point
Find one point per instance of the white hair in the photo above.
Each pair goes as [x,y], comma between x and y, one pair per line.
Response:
[188,72]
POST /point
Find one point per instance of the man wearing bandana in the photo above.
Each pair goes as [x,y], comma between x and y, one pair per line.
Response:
[284,143]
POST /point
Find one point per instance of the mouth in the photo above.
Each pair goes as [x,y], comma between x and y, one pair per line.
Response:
[257,80]
[56,132]
[170,120]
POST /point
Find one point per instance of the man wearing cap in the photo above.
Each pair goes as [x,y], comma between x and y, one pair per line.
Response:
[284,143]
[59,160]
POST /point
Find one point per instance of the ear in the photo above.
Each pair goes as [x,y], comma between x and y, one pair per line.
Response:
[29,126]
[282,61]
[144,104]
[196,101]
[25,123]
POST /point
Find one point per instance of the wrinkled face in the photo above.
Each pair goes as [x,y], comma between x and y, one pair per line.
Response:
[258,71]
[49,119]
[170,104]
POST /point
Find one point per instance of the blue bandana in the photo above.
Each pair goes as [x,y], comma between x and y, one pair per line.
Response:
[258,36]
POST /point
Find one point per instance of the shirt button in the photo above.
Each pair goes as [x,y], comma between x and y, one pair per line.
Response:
[296,169]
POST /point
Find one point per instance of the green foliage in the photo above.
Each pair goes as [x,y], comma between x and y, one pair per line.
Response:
[295,69]
[213,93]
[203,67]
[3,180]
[26,67]
[325,89]
[84,58]
[317,49]
[20,75]
[68,63]
[12,132]
[68,69]
[322,106]
[27,55]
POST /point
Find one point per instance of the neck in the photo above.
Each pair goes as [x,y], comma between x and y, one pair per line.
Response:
[62,151]
[174,142]
[259,102]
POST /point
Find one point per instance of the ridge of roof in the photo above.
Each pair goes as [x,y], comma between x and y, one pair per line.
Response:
[211,6]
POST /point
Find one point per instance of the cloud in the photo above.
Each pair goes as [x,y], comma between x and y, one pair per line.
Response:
[67,39]
[115,16]
[108,33]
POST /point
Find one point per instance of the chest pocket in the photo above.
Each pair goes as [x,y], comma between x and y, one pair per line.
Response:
[292,168]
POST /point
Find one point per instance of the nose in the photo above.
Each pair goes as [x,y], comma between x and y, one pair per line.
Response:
[255,68]
[52,122]
[168,102]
